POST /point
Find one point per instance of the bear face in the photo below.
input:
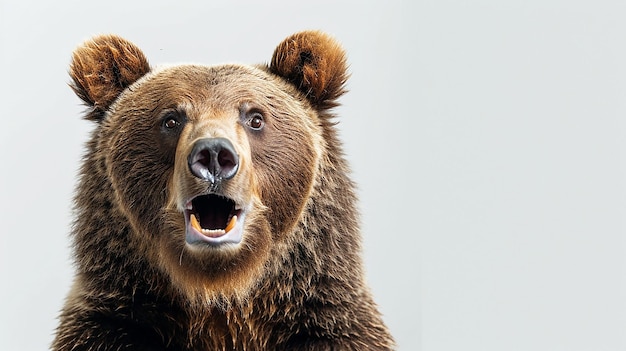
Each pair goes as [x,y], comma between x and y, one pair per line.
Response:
[212,165]
[214,209]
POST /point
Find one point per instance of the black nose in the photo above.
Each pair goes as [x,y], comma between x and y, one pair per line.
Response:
[213,159]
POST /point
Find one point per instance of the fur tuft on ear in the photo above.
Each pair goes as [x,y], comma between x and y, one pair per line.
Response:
[315,63]
[102,68]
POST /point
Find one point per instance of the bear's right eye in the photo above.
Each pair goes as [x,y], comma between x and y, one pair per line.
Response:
[171,123]
[172,120]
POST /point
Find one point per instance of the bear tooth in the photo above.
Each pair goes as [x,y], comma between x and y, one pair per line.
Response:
[194,222]
[231,224]
[213,232]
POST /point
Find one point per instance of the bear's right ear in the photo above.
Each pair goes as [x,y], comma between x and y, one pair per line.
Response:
[102,68]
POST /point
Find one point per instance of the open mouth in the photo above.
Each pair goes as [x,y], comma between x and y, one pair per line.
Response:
[213,219]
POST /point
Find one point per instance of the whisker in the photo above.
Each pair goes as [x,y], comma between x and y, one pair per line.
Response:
[180,259]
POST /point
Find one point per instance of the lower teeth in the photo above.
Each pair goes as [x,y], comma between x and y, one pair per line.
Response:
[231,224]
[196,224]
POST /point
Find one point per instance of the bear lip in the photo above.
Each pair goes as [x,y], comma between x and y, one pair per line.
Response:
[213,219]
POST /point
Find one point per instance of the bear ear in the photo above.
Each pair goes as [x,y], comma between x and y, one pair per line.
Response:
[315,63]
[102,68]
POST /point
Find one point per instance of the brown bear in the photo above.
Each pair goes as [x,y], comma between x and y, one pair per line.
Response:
[214,209]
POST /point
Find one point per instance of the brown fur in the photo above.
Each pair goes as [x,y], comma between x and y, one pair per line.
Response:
[101,69]
[295,282]
[315,64]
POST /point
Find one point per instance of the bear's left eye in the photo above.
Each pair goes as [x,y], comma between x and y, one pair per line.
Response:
[256,121]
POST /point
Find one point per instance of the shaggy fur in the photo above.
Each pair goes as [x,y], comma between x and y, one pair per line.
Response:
[295,282]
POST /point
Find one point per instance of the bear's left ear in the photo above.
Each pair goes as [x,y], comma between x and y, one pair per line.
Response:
[102,68]
[315,63]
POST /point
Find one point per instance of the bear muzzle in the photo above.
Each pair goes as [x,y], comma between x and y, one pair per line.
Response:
[211,217]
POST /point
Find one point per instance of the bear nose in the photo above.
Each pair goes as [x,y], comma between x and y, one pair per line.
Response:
[213,159]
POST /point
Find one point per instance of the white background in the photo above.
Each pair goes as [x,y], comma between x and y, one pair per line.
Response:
[488,139]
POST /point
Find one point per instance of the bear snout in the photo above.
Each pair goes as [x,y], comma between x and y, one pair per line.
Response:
[213,159]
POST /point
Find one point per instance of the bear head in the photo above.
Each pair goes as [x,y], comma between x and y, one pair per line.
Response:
[211,166]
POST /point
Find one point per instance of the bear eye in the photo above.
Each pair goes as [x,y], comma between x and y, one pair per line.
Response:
[256,121]
[170,123]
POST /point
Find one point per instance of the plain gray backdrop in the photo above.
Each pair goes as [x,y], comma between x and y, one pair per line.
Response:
[487,138]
